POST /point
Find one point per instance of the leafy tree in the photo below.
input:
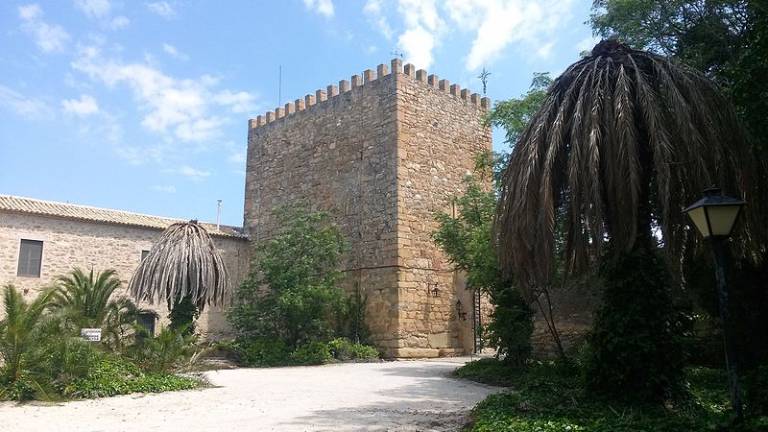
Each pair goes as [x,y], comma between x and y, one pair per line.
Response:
[86,301]
[466,239]
[514,114]
[725,39]
[292,292]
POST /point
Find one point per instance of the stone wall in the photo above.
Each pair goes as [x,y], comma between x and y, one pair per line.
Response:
[381,153]
[69,243]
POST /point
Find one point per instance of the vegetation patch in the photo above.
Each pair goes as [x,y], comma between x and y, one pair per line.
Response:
[549,397]
[114,376]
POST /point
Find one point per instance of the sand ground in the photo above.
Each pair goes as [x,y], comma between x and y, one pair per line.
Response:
[388,396]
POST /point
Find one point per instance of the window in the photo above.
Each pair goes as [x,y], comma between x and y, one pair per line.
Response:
[144,254]
[147,320]
[30,258]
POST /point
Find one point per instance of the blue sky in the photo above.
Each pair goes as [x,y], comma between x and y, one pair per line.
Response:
[143,106]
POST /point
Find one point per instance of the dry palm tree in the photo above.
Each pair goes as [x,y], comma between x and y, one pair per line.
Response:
[624,140]
[183,264]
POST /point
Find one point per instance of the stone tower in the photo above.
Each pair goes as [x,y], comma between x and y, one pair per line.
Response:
[381,153]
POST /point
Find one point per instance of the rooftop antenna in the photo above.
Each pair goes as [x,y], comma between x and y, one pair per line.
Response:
[218,215]
[397,53]
[484,79]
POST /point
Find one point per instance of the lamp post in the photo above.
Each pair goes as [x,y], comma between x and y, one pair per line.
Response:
[714,217]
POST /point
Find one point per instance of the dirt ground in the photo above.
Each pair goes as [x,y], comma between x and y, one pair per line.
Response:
[389,396]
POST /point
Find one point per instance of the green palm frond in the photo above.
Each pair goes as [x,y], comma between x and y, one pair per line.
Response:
[623,141]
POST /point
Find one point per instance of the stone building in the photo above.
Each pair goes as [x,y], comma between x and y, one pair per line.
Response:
[381,153]
[40,240]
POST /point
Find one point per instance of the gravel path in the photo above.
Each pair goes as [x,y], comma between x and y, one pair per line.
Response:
[389,396]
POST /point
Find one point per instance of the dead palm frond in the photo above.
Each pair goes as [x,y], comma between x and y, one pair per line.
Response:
[624,140]
[183,262]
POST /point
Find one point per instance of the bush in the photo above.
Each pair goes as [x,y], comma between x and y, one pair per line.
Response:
[550,397]
[511,326]
[312,353]
[343,349]
[261,352]
[636,339]
[169,351]
[114,376]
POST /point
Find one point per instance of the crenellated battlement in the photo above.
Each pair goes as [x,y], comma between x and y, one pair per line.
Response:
[369,76]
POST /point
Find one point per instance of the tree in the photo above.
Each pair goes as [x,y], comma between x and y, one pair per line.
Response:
[466,239]
[292,292]
[21,337]
[725,39]
[183,269]
[623,141]
[85,301]
[514,114]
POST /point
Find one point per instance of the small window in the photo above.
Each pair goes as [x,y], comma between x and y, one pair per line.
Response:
[30,258]
[147,320]
[144,254]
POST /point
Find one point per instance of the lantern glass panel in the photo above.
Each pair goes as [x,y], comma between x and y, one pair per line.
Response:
[699,218]
[722,218]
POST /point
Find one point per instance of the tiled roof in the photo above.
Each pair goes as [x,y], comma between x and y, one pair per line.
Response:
[17,204]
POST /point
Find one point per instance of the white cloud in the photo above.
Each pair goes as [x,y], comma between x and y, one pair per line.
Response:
[499,23]
[494,25]
[48,37]
[323,7]
[423,27]
[374,13]
[162,8]
[164,188]
[119,22]
[173,52]
[84,106]
[188,171]
[94,8]
[189,110]
[587,44]
[240,102]
[21,104]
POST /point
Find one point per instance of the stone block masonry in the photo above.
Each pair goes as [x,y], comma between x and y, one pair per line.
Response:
[381,153]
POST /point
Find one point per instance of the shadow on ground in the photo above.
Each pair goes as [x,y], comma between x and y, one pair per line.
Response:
[435,402]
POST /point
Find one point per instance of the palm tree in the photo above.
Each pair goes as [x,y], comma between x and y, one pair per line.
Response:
[86,301]
[22,333]
[183,267]
[624,140]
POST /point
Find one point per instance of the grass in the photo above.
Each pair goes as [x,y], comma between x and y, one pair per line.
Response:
[546,397]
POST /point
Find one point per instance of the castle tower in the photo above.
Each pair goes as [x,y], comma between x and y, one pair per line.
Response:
[381,153]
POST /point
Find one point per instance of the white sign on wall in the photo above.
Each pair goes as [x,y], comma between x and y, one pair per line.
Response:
[91,334]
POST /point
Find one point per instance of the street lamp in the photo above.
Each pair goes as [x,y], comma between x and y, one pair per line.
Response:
[714,216]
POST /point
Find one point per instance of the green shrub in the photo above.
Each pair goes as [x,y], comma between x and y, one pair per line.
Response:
[261,352]
[636,339]
[169,351]
[511,325]
[300,267]
[312,353]
[114,376]
[343,349]
[550,397]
